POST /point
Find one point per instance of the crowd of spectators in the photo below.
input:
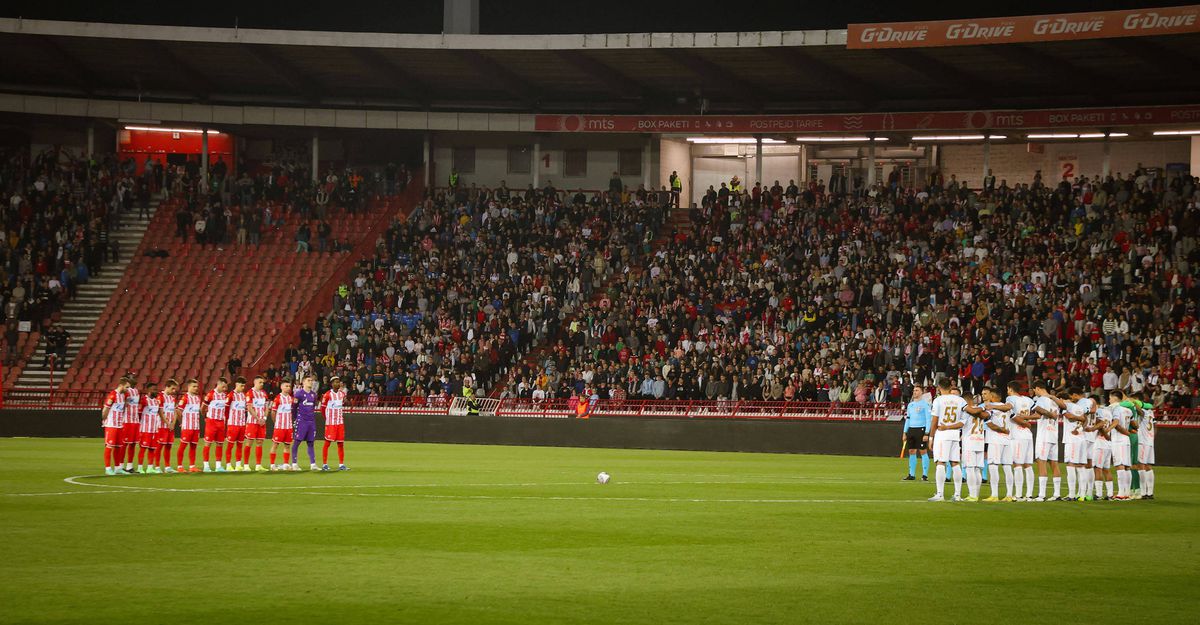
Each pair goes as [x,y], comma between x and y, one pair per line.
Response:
[804,293]
[225,209]
[468,283]
[59,212]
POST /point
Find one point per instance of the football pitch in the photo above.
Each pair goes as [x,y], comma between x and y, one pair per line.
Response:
[476,534]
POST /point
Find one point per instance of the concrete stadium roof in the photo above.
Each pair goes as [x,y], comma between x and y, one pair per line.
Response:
[635,73]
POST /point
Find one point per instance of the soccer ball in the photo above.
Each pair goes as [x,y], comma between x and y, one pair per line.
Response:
[602,478]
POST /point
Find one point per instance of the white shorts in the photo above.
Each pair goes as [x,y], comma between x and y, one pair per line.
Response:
[1000,453]
[1022,451]
[946,450]
[1047,450]
[973,458]
[1120,455]
[1089,448]
[1075,451]
[1145,454]
[1102,457]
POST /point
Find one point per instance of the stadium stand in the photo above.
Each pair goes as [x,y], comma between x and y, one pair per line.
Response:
[189,304]
[791,294]
[63,219]
[471,282]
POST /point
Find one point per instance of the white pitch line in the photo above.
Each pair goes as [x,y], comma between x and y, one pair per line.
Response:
[283,490]
[602,498]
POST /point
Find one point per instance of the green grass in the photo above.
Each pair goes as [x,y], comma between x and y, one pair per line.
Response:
[473,534]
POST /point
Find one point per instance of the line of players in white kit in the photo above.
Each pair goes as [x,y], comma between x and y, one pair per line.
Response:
[1095,442]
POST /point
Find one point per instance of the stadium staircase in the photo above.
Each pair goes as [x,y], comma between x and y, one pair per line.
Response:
[677,220]
[188,314]
[80,314]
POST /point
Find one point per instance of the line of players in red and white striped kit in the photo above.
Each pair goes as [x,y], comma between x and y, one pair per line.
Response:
[143,424]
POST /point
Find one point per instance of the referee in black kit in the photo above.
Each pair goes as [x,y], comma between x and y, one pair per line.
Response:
[916,434]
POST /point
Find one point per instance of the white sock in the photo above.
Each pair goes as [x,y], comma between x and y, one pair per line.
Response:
[994,472]
[1148,482]
[1072,480]
[1057,487]
[1042,487]
[1008,481]
[1108,486]
[1097,488]
[206,465]
[956,475]
[939,480]
[978,482]
[1029,482]
[1019,478]
[1124,477]
[218,465]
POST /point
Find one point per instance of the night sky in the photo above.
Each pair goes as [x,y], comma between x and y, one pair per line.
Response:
[532,17]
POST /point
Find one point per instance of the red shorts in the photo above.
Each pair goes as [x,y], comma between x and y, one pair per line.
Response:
[189,436]
[149,440]
[335,432]
[282,436]
[166,436]
[131,432]
[112,437]
[235,433]
[214,431]
[256,432]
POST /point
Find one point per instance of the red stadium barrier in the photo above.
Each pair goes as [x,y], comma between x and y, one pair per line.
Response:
[563,408]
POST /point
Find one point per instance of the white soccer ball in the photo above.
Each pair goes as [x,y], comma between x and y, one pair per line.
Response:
[603,478]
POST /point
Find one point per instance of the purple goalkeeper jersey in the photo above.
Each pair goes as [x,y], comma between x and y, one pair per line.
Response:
[306,405]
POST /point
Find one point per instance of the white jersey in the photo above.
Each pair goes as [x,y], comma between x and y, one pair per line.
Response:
[1089,414]
[1019,403]
[1146,428]
[1047,429]
[975,431]
[1073,430]
[1120,415]
[1000,419]
[1103,417]
[948,410]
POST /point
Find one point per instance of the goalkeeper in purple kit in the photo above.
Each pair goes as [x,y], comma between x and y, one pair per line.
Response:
[306,424]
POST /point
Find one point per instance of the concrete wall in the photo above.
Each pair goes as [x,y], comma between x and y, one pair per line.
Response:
[491,159]
[675,155]
[1175,446]
[1195,153]
[1014,162]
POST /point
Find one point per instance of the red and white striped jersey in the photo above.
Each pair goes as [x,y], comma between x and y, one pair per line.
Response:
[333,407]
[257,401]
[283,407]
[168,411]
[115,402]
[217,404]
[237,408]
[190,405]
[133,400]
[151,411]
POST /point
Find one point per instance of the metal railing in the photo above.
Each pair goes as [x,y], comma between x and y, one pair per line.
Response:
[565,408]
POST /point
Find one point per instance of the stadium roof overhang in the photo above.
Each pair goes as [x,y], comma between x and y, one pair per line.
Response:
[643,73]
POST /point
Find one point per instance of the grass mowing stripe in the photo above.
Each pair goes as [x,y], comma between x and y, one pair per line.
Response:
[479,534]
